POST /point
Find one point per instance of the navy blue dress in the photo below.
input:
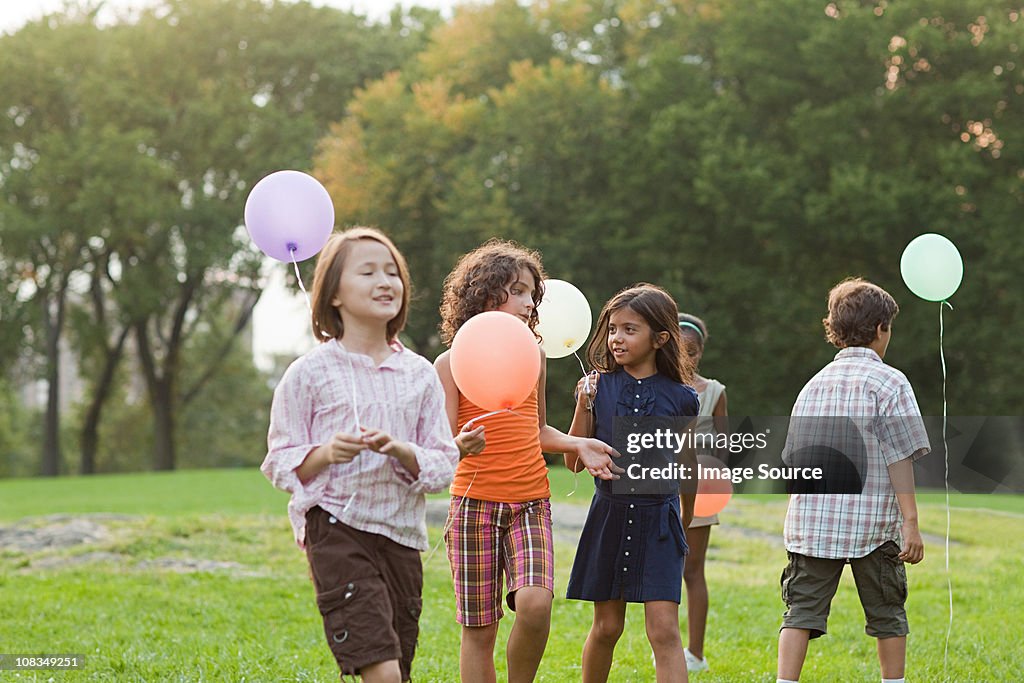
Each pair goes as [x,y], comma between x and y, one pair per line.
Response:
[632,545]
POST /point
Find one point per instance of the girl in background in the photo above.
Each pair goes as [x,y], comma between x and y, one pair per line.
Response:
[713,410]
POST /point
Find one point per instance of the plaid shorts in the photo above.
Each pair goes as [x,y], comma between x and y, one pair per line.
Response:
[484,540]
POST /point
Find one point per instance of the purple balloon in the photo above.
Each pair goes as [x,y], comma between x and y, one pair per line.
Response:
[289,214]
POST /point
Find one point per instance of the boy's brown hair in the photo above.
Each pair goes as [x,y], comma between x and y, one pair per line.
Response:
[659,310]
[327,322]
[856,308]
[479,280]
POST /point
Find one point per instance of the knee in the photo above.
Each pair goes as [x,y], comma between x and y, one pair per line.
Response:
[533,608]
[482,637]
[607,630]
[662,631]
[693,572]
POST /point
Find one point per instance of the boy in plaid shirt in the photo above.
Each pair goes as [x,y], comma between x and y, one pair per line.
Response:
[876,530]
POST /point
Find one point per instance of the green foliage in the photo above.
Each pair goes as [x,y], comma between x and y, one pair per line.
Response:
[746,155]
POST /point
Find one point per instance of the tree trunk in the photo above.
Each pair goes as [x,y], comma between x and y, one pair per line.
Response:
[91,421]
[163,427]
[53,324]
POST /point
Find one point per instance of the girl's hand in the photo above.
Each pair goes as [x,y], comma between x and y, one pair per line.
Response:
[597,456]
[472,441]
[381,442]
[342,448]
[587,387]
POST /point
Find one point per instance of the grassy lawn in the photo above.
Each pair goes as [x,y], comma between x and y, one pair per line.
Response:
[197,579]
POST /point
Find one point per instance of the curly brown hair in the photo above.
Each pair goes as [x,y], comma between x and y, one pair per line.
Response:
[658,308]
[856,308]
[480,280]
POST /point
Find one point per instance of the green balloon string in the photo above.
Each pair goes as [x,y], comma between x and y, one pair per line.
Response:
[945,455]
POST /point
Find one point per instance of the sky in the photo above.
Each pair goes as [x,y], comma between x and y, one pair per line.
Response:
[281,319]
[14,13]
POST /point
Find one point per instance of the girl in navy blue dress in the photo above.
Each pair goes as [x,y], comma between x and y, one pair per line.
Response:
[633,544]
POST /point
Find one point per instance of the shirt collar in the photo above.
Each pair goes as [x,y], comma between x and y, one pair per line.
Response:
[391,361]
[858,352]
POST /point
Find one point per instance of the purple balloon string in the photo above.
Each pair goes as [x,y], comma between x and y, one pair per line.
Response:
[298,276]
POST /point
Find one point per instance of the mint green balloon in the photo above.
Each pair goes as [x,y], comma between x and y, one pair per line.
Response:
[932,267]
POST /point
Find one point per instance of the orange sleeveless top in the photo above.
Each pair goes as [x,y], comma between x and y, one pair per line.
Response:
[511,468]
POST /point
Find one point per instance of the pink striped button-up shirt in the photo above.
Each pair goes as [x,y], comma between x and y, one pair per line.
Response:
[881,406]
[324,392]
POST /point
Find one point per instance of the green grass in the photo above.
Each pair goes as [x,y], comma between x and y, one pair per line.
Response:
[255,620]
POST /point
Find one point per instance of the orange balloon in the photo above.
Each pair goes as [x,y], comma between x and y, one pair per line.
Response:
[712,494]
[495,360]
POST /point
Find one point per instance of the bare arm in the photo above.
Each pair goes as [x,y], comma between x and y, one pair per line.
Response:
[594,455]
[470,442]
[901,474]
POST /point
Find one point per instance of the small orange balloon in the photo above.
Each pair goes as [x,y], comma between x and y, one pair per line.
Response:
[713,494]
[495,360]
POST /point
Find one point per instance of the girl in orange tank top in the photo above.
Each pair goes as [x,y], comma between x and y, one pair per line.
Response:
[499,520]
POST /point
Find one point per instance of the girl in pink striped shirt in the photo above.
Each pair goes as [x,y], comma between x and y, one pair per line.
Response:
[358,435]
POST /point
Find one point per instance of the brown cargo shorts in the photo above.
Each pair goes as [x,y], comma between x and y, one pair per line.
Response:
[810,583]
[369,590]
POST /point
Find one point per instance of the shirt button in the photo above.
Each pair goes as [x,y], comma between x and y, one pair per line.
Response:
[630,521]
[627,553]
[625,569]
[629,538]
[631,506]
[638,396]
[639,381]
[634,424]
[636,410]
[632,490]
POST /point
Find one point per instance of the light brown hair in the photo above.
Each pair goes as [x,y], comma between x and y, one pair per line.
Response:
[327,322]
[856,308]
[479,282]
[659,310]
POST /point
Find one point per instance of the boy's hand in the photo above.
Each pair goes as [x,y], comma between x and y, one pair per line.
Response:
[597,456]
[471,441]
[913,544]
[343,447]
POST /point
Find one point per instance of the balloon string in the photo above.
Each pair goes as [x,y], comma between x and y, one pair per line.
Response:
[448,525]
[945,455]
[590,406]
[586,380]
[490,414]
[298,276]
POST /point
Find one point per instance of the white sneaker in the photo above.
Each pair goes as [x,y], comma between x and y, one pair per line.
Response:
[693,663]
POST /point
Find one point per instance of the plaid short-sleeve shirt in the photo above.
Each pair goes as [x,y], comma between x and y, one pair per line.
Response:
[859,386]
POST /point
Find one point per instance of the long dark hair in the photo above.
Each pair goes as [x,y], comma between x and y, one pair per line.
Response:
[659,310]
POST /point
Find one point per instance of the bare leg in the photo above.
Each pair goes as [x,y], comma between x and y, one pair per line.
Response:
[696,588]
[529,633]
[892,656]
[792,651]
[382,672]
[609,619]
[476,655]
[661,617]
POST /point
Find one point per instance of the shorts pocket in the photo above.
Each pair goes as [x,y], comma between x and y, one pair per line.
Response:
[409,627]
[893,575]
[345,610]
[788,572]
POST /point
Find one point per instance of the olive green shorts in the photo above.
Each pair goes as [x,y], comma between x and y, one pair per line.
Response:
[810,583]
